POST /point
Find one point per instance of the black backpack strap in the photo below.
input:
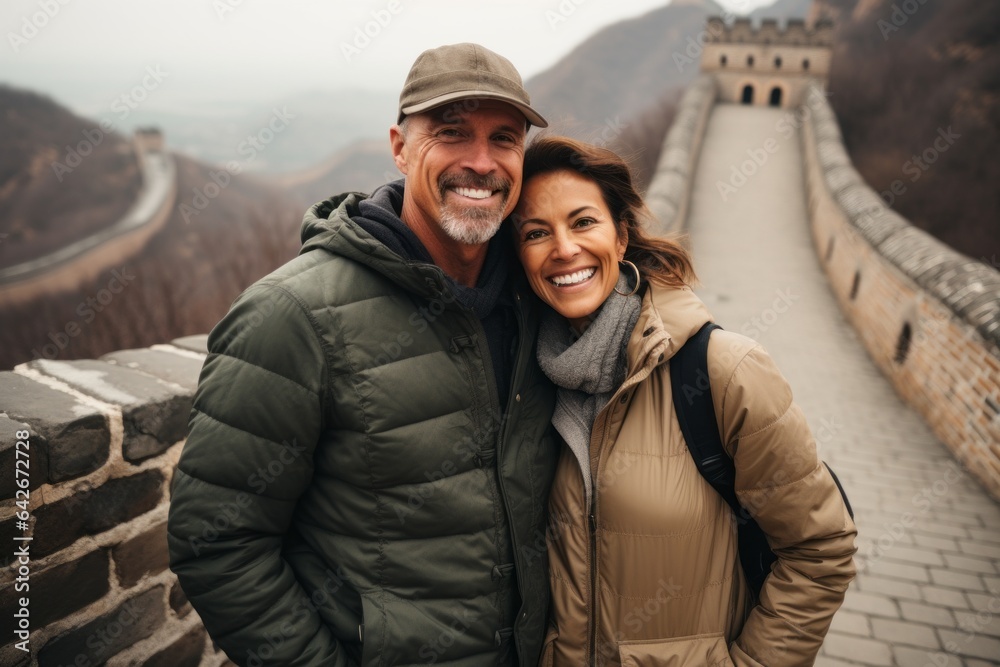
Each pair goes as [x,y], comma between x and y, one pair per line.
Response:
[692,393]
[696,414]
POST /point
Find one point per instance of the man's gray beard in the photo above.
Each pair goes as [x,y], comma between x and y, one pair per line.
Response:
[471,226]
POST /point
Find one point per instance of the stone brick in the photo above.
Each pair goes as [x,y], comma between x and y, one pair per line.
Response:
[59,591]
[185,652]
[858,649]
[946,597]
[899,632]
[972,645]
[932,615]
[924,658]
[91,512]
[969,582]
[143,554]
[75,436]
[178,601]
[155,414]
[851,623]
[197,343]
[96,641]
[877,605]
[175,368]
[36,456]
[969,564]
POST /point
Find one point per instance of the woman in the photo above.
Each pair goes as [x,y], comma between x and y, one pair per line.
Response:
[643,554]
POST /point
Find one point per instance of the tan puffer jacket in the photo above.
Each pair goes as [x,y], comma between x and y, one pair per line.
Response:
[650,576]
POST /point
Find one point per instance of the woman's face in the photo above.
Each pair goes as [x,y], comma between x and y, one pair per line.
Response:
[568,243]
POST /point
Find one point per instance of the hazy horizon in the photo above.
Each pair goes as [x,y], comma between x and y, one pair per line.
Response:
[226,54]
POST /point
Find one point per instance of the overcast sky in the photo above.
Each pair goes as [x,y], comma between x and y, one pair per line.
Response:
[86,52]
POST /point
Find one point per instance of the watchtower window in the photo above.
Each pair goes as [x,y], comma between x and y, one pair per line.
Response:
[805,64]
[749,61]
[777,62]
[775,99]
[723,60]
[747,94]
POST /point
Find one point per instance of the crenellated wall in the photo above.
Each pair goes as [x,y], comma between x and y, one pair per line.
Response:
[929,316]
[103,439]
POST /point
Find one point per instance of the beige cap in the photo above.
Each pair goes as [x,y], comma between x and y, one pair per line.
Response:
[461,72]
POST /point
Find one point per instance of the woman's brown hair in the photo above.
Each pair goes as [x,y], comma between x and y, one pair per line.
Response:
[660,260]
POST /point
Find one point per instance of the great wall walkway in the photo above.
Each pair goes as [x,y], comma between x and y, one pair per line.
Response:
[928,588]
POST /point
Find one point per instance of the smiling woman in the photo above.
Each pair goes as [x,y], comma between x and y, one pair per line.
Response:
[639,528]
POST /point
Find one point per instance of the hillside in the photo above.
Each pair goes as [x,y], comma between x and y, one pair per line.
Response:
[182,282]
[61,177]
[361,166]
[917,96]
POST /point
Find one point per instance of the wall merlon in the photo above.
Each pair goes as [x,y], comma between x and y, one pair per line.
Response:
[74,437]
[154,411]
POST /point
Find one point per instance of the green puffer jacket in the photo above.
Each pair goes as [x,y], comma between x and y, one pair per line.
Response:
[348,475]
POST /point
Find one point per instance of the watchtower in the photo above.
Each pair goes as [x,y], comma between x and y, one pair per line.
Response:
[766,66]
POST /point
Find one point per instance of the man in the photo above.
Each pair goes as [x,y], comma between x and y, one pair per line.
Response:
[369,459]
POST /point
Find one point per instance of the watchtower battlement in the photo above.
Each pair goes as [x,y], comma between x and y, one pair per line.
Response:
[766,65]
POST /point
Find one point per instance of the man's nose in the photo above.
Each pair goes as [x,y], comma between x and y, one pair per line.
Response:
[479,157]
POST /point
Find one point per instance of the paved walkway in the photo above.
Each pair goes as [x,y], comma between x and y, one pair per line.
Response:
[928,589]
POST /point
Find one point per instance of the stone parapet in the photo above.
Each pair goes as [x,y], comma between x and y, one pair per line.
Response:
[669,192]
[103,439]
[928,315]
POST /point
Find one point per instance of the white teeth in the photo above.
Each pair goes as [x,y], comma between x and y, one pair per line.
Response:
[474,193]
[574,278]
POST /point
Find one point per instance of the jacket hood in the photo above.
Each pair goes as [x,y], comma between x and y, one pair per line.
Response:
[328,226]
[669,317]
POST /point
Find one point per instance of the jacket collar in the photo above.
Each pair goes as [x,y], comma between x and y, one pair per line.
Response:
[669,317]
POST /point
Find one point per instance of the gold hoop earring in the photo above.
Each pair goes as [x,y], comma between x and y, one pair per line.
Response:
[637,278]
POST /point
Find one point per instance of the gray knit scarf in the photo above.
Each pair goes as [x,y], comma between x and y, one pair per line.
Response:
[587,368]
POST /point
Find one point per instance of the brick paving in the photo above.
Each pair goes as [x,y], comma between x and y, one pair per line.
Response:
[928,588]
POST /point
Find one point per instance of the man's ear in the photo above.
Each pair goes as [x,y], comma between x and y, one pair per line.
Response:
[397,140]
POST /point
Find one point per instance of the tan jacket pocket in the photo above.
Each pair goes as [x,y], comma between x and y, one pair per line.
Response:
[696,650]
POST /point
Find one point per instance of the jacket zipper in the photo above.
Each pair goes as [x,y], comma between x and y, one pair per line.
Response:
[592,630]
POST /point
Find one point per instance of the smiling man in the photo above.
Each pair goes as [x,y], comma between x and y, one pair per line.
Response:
[385,382]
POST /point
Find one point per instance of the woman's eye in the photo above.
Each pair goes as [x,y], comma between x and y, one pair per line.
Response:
[585,222]
[533,235]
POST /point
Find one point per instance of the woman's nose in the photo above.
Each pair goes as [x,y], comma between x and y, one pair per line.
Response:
[565,247]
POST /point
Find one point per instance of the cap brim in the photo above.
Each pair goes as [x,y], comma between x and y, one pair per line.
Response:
[530,114]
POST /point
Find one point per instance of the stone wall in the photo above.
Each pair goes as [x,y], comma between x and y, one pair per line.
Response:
[669,192]
[103,439]
[929,316]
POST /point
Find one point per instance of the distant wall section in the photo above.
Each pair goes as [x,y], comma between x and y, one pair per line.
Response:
[669,192]
[928,316]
